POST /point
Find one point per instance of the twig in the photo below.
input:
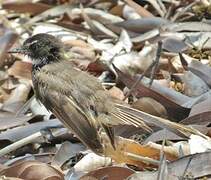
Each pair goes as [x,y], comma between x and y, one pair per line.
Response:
[185,9]
[146,71]
[142,158]
[20,143]
[155,67]
[162,169]
[187,166]
[203,44]
[108,84]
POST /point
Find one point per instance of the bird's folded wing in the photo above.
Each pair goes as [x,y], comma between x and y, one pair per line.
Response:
[74,118]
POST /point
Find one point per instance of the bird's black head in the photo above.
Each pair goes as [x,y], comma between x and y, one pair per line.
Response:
[41,48]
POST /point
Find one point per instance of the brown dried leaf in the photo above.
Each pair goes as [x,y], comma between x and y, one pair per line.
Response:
[33,170]
[21,69]
[7,40]
[18,97]
[83,53]
[12,178]
[150,106]
[111,173]
[116,93]
[139,9]
[117,10]
[23,7]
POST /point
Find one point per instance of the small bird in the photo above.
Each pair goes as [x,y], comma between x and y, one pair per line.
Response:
[75,97]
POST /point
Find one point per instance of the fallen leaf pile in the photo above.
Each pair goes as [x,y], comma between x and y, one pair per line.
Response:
[153,55]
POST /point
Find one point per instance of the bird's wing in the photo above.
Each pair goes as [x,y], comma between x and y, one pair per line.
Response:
[55,94]
[65,109]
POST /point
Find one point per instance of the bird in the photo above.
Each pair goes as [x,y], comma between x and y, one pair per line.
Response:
[75,97]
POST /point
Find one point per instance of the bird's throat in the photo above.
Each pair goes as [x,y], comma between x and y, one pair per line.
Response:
[39,63]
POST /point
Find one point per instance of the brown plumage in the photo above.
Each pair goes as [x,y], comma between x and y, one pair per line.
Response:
[74,97]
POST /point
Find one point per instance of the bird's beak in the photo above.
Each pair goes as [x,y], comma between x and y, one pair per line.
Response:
[21,50]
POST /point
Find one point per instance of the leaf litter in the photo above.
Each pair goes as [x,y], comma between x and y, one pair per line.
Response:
[118,42]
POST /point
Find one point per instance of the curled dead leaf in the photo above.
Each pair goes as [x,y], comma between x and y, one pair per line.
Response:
[32,170]
[21,69]
[111,173]
[150,106]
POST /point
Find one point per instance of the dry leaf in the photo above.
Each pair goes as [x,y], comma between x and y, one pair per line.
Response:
[21,69]
[150,106]
[18,97]
[194,86]
[139,9]
[91,162]
[111,173]
[116,93]
[32,170]
[65,152]
[23,7]
[201,70]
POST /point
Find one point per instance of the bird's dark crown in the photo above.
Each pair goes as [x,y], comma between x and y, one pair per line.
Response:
[42,49]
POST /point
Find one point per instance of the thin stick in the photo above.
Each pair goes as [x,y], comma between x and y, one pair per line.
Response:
[187,166]
[185,9]
[146,71]
[142,158]
[20,143]
[155,67]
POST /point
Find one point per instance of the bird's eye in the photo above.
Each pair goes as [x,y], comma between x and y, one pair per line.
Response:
[33,46]
[53,50]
